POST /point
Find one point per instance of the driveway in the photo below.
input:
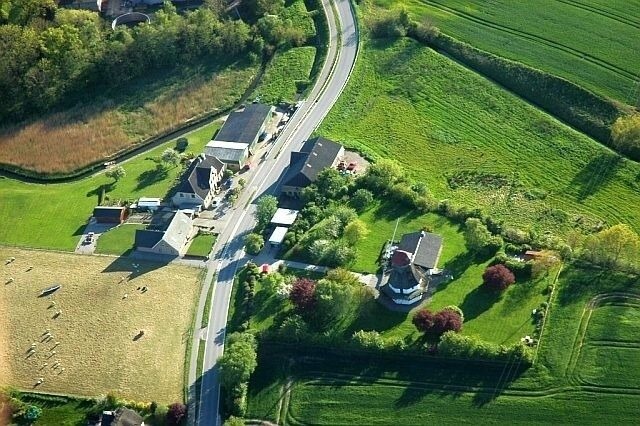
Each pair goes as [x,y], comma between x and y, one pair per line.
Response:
[97,229]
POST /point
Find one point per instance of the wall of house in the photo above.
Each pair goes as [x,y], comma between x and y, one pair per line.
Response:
[183,199]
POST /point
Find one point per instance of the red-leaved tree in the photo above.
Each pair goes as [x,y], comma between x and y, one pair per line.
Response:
[423,320]
[303,296]
[498,277]
[446,320]
[176,413]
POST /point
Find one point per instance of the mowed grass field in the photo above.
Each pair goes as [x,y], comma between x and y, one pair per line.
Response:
[439,120]
[97,326]
[287,70]
[118,240]
[592,43]
[330,390]
[106,124]
[53,216]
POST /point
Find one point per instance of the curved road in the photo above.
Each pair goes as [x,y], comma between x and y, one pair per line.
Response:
[228,254]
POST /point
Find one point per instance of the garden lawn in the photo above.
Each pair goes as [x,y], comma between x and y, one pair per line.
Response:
[344,389]
[592,43]
[201,245]
[97,325]
[440,120]
[53,216]
[286,76]
[118,240]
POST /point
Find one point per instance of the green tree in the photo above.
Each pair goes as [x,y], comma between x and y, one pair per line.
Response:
[330,184]
[615,247]
[234,421]
[479,239]
[626,135]
[170,157]
[239,360]
[335,301]
[361,199]
[253,243]
[355,231]
[382,175]
[116,173]
[266,207]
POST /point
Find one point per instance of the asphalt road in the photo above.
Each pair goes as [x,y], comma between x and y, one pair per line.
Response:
[228,254]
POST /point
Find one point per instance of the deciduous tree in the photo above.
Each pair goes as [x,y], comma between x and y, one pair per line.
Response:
[423,320]
[361,199]
[498,277]
[303,296]
[239,360]
[177,413]
[253,243]
[355,231]
[170,157]
[266,207]
[116,173]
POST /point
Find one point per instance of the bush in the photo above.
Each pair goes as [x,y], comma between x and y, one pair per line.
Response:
[423,320]
[303,296]
[361,199]
[253,243]
[368,340]
[176,413]
[455,309]
[434,325]
[182,144]
[470,347]
[497,277]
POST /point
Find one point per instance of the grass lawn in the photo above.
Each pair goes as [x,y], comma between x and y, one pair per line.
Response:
[599,52]
[201,245]
[287,75]
[118,240]
[441,121]
[107,123]
[53,216]
[97,326]
[330,389]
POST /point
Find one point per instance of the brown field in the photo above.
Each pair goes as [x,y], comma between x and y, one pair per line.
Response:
[97,326]
[70,140]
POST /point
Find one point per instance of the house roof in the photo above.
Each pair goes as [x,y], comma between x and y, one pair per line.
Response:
[284,217]
[147,238]
[108,211]
[244,126]
[175,234]
[425,248]
[196,178]
[401,258]
[314,156]
[149,202]
[127,417]
[278,235]
[227,151]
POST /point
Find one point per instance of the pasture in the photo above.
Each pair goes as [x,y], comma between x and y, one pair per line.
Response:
[599,52]
[95,347]
[290,387]
[478,145]
[286,76]
[53,216]
[108,123]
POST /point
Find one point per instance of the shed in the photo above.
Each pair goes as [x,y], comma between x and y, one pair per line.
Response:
[110,214]
[277,236]
[150,204]
[284,217]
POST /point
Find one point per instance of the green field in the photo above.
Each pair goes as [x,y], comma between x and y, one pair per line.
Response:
[53,216]
[599,52]
[201,245]
[335,389]
[287,75]
[442,121]
[118,240]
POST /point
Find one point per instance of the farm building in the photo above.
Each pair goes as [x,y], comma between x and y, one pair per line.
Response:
[110,214]
[245,126]
[199,183]
[304,166]
[413,261]
[233,154]
[167,234]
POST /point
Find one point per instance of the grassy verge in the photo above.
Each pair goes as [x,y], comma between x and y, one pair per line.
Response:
[287,75]
[29,212]
[201,245]
[108,124]
[442,121]
[207,306]
[118,240]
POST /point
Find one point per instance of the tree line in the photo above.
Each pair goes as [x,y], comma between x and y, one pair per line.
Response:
[51,56]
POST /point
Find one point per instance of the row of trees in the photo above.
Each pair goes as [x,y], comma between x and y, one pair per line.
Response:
[50,56]
[236,365]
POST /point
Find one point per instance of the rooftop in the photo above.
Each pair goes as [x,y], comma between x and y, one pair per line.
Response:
[196,178]
[244,126]
[314,156]
[278,235]
[424,246]
[284,217]
[227,151]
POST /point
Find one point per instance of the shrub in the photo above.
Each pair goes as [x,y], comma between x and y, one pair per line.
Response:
[470,347]
[445,320]
[497,277]
[423,320]
[253,243]
[303,296]
[361,199]
[293,328]
[176,413]
[455,309]
[182,144]
[626,135]
[368,340]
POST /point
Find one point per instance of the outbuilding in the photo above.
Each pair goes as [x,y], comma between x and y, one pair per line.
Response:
[110,214]
[284,217]
[277,236]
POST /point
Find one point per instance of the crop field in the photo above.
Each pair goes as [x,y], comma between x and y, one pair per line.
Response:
[286,75]
[71,139]
[478,145]
[94,320]
[333,389]
[53,216]
[599,52]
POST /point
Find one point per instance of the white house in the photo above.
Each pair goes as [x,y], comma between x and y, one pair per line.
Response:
[199,183]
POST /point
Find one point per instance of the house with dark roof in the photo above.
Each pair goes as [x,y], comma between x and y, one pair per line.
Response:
[246,125]
[315,155]
[121,417]
[168,235]
[199,183]
[411,265]
[110,214]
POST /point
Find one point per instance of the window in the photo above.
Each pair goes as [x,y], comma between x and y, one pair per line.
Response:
[193,195]
[181,195]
